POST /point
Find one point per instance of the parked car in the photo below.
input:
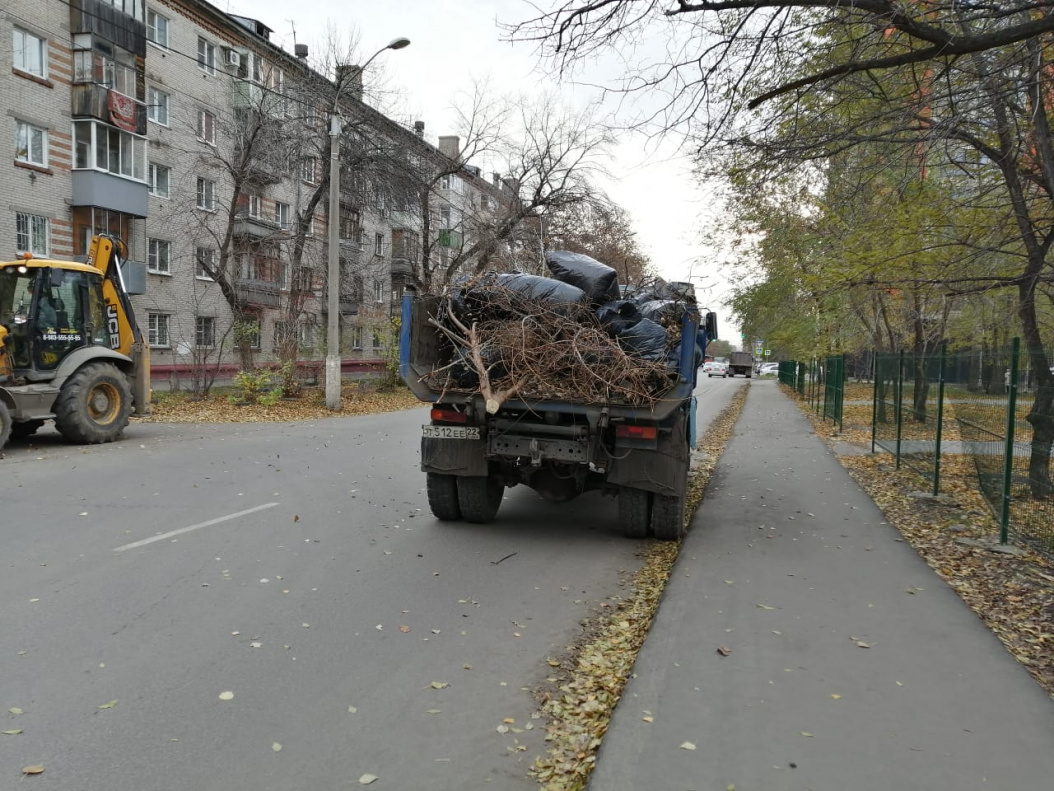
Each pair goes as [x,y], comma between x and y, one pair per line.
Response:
[715,368]
[769,369]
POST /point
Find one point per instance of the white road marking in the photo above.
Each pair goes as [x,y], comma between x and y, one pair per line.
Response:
[198,526]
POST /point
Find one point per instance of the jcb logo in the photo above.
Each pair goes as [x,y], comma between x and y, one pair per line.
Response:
[113,327]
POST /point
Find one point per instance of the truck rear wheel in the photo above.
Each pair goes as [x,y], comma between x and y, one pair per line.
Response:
[442,495]
[634,511]
[667,517]
[5,424]
[479,497]
[93,405]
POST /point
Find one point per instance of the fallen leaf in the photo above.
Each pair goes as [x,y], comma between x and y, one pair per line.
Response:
[16,710]
[33,770]
[226,696]
[552,663]
[466,667]
[435,631]
[648,719]
[109,705]
[404,629]
[724,651]
[806,733]
[502,729]
[296,517]
[862,644]
[365,780]
[765,607]
[14,732]
[434,711]
[439,685]
[276,747]
[509,720]
[352,709]
[836,697]
[687,746]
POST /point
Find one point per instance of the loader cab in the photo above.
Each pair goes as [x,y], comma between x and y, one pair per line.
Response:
[49,309]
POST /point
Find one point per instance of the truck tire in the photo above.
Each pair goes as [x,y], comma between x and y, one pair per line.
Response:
[26,428]
[93,405]
[667,517]
[5,424]
[442,496]
[479,496]
[634,512]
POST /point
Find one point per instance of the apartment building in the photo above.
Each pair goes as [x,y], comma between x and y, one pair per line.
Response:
[188,133]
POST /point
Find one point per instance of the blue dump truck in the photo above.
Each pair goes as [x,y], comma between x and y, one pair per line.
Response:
[471,450]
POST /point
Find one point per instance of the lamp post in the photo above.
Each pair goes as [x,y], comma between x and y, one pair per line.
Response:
[333,373]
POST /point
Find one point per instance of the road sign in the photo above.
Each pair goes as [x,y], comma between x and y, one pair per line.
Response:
[768,352]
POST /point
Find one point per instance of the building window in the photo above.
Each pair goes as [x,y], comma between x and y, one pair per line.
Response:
[93,67]
[254,204]
[157,106]
[349,224]
[309,169]
[355,337]
[378,341]
[134,8]
[283,215]
[31,144]
[159,257]
[157,334]
[31,234]
[100,147]
[157,29]
[205,259]
[378,291]
[30,53]
[89,221]
[160,177]
[206,194]
[207,127]
[378,244]
[206,56]
[205,332]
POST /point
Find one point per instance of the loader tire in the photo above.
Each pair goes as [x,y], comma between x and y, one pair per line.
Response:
[94,404]
[5,424]
[26,428]
[479,497]
[667,517]
[634,512]
[442,496]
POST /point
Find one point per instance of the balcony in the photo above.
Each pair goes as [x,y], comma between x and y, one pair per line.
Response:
[247,226]
[107,22]
[448,237]
[402,267]
[258,293]
[91,100]
[262,167]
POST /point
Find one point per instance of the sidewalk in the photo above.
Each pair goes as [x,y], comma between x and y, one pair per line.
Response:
[838,679]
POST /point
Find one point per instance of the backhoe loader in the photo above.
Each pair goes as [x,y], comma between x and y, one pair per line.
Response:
[70,348]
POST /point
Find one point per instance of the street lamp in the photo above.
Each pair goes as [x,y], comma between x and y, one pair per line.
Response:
[333,373]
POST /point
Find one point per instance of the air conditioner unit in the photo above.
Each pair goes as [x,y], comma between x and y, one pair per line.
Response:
[234,58]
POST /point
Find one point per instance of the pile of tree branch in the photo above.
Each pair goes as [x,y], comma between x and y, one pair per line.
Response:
[505,344]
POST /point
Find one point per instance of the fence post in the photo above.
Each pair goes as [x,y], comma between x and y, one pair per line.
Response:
[840,392]
[874,400]
[1011,421]
[940,421]
[900,404]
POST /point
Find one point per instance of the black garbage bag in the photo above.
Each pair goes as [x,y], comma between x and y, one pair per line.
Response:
[645,339]
[463,373]
[661,310]
[599,281]
[617,317]
[488,295]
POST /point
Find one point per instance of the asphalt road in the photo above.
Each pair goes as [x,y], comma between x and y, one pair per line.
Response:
[297,567]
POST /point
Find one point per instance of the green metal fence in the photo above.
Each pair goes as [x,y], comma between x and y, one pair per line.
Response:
[834,388]
[982,399]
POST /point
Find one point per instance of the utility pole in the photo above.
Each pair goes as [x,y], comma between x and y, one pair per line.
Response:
[333,358]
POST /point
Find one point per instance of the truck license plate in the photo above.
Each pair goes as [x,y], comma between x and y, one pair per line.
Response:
[451,432]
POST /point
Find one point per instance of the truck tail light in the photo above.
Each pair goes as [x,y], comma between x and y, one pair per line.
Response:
[440,415]
[636,432]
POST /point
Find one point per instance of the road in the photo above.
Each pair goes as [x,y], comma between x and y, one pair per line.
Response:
[297,567]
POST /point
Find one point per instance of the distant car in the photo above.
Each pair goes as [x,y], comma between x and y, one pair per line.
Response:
[715,368]
[767,369]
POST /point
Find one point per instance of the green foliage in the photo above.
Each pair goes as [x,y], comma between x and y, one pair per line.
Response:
[289,380]
[253,387]
[391,335]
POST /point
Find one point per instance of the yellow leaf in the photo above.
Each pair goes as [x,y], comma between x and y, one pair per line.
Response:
[509,720]
[109,705]
[13,733]
[439,685]
[276,747]
[226,696]
[352,709]
[16,710]
[648,719]
[687,746]
[365,780]
[806,733]
[836,697]
[33,770]
[434,711]
[404,629]
[552,663]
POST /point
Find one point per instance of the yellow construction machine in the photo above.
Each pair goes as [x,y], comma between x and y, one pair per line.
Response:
[70,348]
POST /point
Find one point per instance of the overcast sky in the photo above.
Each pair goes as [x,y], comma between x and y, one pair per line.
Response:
[454,42]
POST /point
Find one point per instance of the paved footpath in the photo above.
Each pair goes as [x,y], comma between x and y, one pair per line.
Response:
[790,566]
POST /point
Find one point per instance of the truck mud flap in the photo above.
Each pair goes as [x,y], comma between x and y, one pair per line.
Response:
[651,471]
[454,456]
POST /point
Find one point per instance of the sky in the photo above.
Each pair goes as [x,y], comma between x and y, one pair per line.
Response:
[454,42]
